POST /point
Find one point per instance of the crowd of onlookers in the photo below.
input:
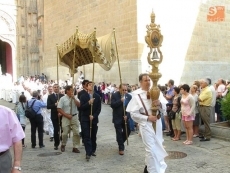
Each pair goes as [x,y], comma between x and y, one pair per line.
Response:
[190,106]
[184,108]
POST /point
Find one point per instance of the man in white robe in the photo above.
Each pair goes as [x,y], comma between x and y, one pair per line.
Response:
[8,87]
[16,93]
[155,152]
[1,86]
[46,113]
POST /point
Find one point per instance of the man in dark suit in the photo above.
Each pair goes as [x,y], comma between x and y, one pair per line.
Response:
[90,118]
[119,101]
[52,102]
[82,92]
[97,89]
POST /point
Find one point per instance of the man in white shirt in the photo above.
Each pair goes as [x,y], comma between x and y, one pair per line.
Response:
[68,108]
[155,152]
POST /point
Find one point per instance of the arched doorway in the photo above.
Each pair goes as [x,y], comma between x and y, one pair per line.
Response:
[6,58]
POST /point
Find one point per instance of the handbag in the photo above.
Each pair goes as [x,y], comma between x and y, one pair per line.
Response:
[172,115]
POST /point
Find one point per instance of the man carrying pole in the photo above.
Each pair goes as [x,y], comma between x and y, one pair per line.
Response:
[119,68]
[89,119]
[52,103]
[120,100]
[140,110]
[67,107]
[84,90]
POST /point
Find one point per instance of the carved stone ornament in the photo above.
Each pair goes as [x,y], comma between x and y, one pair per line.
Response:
[8,20]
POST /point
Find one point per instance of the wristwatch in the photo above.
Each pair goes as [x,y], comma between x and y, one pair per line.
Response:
[18,168]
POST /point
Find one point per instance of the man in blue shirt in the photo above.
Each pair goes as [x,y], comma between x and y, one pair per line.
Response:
[37,122]
[169,97]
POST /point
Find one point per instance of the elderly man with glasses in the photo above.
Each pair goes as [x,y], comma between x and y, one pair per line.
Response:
[119,101]
[205,101]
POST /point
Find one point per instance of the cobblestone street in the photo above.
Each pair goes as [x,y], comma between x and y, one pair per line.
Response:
[206,157]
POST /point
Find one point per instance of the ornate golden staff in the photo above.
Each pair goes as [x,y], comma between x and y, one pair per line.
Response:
[91,112]
[154,40]
[126,131]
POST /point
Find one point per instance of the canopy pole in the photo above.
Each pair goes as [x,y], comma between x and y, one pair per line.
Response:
[57,67]
[72,75]
[118,62]
[91,112]
[84,71]
[59,118]
[73,67]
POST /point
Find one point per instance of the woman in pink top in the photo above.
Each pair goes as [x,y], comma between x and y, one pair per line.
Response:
[188,112]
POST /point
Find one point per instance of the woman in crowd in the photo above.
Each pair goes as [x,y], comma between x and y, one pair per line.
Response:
[21,112]
[188,113]
[106,94]
[103,90]
[176,122]
[196,122]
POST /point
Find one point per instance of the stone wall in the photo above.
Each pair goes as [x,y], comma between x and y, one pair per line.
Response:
[208,53]
[8,30]
[192,47]
[62,17]
[29,37]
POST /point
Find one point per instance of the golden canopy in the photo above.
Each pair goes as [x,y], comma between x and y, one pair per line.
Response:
[81,49]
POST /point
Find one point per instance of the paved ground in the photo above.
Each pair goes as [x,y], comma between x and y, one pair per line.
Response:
[207,157]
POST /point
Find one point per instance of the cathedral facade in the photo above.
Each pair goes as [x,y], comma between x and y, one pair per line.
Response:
[196,37]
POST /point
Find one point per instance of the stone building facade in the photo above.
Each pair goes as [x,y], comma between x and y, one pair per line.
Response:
[190,41]
[8,38]
[62,17]
[30,42]
[193,47]
[208,52]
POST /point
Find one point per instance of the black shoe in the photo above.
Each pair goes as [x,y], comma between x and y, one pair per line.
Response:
[94,154]
[145,170]
[33,146]
[87,157]
[55,147]
[204,139]
[51,139]
[42,146]
[168,134]
[201,136]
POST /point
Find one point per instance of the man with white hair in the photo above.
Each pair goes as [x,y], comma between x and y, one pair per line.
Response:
[37,122]
[205,101]
[140,110]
